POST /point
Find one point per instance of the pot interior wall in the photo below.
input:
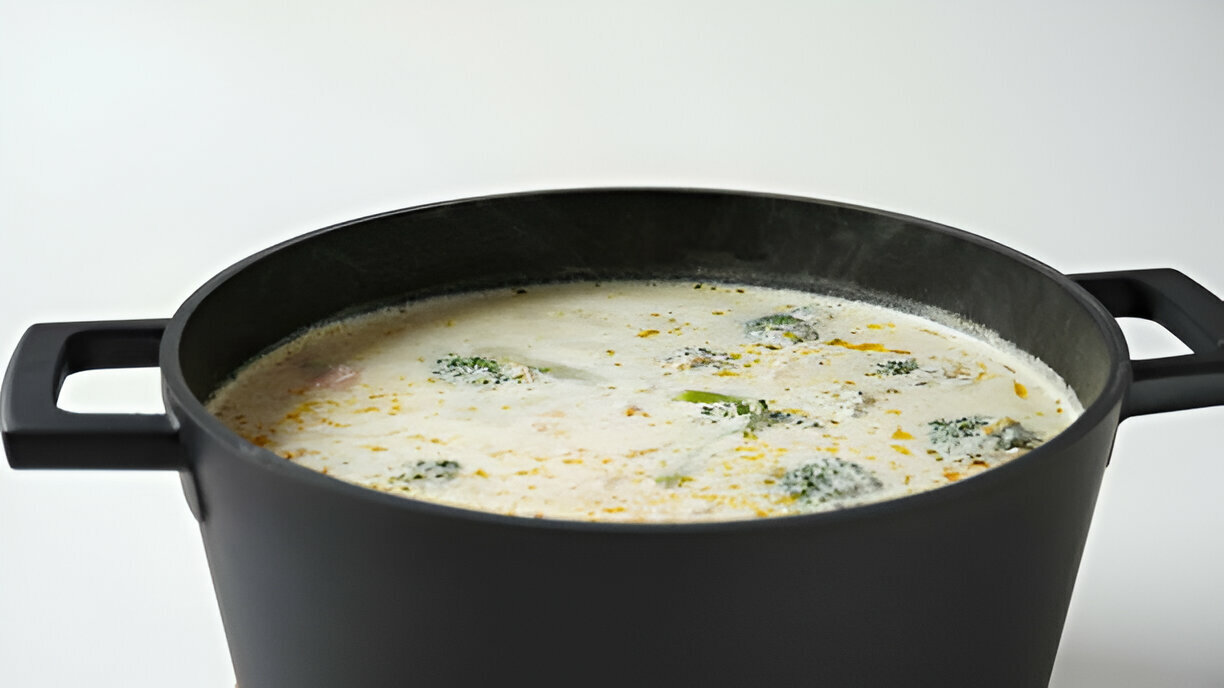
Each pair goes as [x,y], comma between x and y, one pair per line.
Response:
[607,234]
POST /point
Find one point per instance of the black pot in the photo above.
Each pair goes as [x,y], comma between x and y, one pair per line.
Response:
[323,583]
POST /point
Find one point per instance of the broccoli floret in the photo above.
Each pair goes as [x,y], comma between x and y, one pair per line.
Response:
[483,371]
[470,366]
[430,470]
[777,321]
[780,328]
[1010,434]
[827,479]
[724,409]
[698,357]
[897,367]
[976,435]
[949,431]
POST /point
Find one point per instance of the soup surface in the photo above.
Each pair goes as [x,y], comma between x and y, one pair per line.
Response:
[650,402]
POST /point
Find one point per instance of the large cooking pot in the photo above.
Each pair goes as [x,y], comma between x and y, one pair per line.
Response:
[324,583]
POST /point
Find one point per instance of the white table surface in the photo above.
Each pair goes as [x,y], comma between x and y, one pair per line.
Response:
[144,146]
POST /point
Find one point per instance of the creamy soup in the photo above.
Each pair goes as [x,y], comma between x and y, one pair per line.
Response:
[647,402]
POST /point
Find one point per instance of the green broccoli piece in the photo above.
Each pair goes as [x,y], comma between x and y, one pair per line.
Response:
[781,328]
[469,365]
[977,435]
[1010,434]
[430,470]
[898,367]
[725,409]
[777,321]
[947,432]
[483,371]
[827,479]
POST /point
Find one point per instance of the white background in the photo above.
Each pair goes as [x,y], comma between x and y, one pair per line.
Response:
[144,146]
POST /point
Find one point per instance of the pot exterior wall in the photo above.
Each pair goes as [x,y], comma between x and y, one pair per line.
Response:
[322,583]
[965,586]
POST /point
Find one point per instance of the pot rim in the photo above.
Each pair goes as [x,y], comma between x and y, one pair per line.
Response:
[185,402]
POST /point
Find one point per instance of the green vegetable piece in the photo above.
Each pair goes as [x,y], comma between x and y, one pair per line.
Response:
[758,411]
[721,406]
[1010,434]
[475,363]
[944,431]
[781,328]
[675,480]
[778,321]
[742,406]
[475,369]
[827,479]
[430,470]
[899,367]
[483,371]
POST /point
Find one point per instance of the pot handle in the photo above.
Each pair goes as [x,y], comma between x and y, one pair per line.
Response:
[1185,308]
[39,434]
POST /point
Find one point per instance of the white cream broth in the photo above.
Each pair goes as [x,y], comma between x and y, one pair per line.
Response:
[645,402]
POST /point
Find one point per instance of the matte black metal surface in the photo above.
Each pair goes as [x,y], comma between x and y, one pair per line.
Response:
[38,434]
[322,583]
[320,590]
[1185,308]
[755,238]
